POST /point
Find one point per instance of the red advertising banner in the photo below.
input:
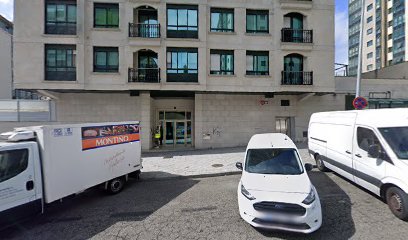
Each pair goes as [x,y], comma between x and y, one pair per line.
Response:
[103,136]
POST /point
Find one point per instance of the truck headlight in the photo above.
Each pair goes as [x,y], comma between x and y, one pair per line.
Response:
[310,197]
[246,193]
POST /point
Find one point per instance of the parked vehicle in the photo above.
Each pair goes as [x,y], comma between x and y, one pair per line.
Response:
[39,165]
[275,191]
[368,147]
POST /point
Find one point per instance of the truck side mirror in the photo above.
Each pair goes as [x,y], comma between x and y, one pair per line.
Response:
[239,165]
[308,167]
[374,151]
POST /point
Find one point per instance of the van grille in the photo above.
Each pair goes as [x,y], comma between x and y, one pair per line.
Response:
[278,207]
[301,226]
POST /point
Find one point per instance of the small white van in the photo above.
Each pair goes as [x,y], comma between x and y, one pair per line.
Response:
[368,147]
[275,191]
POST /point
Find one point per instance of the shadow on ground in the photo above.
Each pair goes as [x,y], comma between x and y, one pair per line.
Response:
[336,208]
[96,211]
[192,152]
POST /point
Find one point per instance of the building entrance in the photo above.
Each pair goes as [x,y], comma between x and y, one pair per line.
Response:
[176,128]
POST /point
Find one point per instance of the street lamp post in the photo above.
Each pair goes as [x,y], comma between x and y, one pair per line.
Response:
[360,51]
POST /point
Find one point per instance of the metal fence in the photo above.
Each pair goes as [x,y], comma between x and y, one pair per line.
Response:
[27,111]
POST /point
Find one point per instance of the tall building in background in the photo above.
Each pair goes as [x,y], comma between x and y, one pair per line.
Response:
[6,39]
[384,38]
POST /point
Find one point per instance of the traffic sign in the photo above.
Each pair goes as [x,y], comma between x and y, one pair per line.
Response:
[360,103]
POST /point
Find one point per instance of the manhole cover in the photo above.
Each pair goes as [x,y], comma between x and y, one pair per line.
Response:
[217,165]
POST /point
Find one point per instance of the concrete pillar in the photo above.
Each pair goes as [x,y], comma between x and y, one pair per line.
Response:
[198,121]
[145,120]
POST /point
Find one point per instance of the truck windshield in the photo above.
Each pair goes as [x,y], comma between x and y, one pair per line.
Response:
[397,138]
[273,161]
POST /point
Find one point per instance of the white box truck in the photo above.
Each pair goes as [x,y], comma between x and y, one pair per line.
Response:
[368,147]
[39,165]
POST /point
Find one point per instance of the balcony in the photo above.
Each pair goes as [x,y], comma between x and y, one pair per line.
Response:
[146,75]
[297,35]
[144,30]
[297,78]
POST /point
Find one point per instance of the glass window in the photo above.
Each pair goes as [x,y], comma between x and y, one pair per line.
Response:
[273,161]
[257,63]
[182,21]
[60,62]
[182,64]
[222,20]
[106,15]
[257,21]
[366,138]
[60,17]
[106,59]
[222,62]
[12,163]
[397,139]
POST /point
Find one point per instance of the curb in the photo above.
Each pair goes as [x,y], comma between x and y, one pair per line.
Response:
[178,177]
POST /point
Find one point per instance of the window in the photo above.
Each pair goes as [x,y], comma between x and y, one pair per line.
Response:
[390,49]
[397,139]
[222,20]
[370,43]
[369,67]
[106,59]
[12,163]
[257,63]
[369,7]
[182,64]
[366,138]
[390,10]
[389,36]
[182,21]
[285,103]
[390,23]
[222,62]
[369,19]
[60,17]
[106,15]
[60,62]
[257,21]
[369,31]
[370,55]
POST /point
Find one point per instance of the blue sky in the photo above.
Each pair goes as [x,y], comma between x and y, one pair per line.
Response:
[341,20]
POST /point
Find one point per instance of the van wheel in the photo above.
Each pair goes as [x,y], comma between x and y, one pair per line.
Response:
[397,201]
[320,163]
[116,185]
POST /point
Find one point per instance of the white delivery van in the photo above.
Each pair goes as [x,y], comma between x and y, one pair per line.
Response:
[40,165]
[369,147]
[275,191]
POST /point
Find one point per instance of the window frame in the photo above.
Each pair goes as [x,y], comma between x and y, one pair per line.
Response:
[106,6]
[70,71]
[181,76]
[107,68]
[26,160]
[256,13]
[222,11]
[257,54]
[64,25]
[222,53]
[171,33]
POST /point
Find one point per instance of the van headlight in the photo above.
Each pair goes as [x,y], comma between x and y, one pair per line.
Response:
[246,193]
[310,197]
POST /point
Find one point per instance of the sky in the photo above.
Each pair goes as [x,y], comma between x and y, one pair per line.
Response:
[341,26]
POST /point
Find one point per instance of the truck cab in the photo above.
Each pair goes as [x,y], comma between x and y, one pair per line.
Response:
[20,182]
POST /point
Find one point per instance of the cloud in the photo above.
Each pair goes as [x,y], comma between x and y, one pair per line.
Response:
[341,36]
[6,9]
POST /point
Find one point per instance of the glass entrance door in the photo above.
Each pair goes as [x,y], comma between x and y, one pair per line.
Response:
[169,137]
[180,133]
[177,128]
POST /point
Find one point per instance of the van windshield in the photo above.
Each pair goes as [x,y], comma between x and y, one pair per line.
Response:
[397,139]
[273,161]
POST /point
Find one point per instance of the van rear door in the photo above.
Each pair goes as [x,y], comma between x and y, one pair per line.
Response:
[17,187]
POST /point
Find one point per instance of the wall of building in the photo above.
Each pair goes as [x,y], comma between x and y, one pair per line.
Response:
[5,65]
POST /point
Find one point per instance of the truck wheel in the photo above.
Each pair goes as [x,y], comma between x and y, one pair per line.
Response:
[116,185]
[397,201]
[320,163]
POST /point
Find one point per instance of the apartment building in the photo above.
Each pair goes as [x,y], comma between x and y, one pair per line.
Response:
[384,33]
[207,73]
[6,31]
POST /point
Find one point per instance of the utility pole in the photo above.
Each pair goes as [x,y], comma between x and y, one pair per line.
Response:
[360,50]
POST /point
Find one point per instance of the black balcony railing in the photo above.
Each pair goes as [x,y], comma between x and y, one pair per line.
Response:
[144,30]
[297,78]
[297,35]
[150,75]
[63,28]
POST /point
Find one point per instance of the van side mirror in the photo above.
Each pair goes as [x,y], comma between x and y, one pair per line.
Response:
[374,151]
[308,167]
[239,165]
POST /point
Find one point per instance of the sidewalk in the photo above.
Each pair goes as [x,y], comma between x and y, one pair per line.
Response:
[198,163]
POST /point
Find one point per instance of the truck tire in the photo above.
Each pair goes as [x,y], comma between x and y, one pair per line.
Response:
[397,201]
[320,163]
[116,185]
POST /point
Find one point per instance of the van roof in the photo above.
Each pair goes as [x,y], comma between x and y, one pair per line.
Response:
[270,140]
[386,117]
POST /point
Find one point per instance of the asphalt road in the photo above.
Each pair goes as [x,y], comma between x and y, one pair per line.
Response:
[204,208]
